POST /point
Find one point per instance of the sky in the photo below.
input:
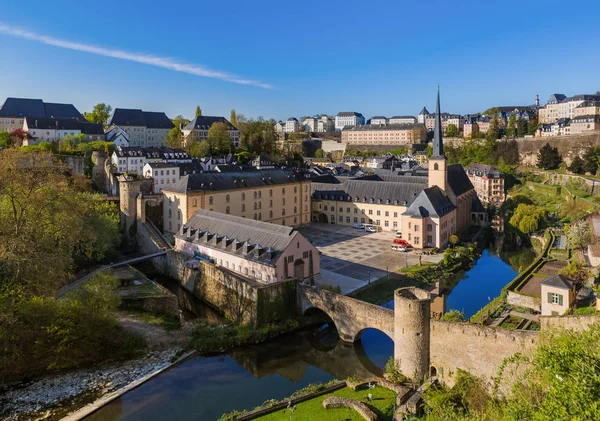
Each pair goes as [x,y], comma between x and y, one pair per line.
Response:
[280,59]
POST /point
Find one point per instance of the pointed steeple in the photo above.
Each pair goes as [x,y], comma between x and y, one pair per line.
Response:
[438,143]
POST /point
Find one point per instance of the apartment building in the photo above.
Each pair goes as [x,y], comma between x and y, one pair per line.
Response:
[145,128]
[325,124]
[133,159]
[394,135]
[422,116]
[278,196]
[310,124]
[280,127]
[585,123]
[406,119]
[198,128]
[559,106]
[488,183]
[291,125]
[379,120]
[52,130]
[14,111]
[260,251]
[348,119]
[475,124]
[163,173]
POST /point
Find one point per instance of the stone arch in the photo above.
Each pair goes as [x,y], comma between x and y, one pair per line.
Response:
[433,371]
[360,332]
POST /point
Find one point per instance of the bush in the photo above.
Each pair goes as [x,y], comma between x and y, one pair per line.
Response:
[337,289]
[392,372]
[454,316]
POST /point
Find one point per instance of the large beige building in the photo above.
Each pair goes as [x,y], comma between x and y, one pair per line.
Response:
[559,106]
[263,252]
[14,111]
[391,134]
[488,182]
[198,128]
[145,128]
[277,196]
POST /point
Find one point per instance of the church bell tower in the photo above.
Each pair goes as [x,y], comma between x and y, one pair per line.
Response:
[438,175]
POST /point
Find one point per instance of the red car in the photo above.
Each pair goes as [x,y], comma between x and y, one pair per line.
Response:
[400,241]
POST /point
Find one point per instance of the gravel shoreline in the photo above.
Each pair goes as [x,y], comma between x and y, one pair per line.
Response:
[53,397]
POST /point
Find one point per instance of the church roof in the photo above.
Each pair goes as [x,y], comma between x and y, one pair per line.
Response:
[438,145]
[431,202]
[458,180]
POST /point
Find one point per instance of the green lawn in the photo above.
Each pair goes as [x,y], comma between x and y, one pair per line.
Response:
[382,290]
[312,410]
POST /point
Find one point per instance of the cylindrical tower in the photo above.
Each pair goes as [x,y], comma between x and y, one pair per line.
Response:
[412,316]
[129,188]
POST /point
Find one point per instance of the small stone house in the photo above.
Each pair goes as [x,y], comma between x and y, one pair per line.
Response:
[558,293]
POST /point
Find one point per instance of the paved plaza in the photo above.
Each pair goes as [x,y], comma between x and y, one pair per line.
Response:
[351,257]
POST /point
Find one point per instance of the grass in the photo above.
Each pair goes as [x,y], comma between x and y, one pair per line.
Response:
[382,404]
[382,290]
[166,321]
[511,322]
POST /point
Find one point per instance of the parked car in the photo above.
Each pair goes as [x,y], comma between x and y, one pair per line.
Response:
[358,226]
[370,229]
[396,247]
[401,242]
[398,234]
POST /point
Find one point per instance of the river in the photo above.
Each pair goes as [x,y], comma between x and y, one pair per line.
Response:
[203,388]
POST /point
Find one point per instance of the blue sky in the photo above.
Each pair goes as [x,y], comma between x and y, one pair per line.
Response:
[377,58]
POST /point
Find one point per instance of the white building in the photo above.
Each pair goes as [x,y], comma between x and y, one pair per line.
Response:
[52,129]
[348,119]
[405,119]
[198,128]
[280,127]
[164,174]
[118,136]
[325,124]
[379,121]
[310,124]
[145,128]
[133,159]
[422,117]
[291,125]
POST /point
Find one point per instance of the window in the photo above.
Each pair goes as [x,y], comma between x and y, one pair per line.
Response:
[282,211]
[341,218]
[347,219]
[332,219]
[255,216]
[283,190]
[555,298]
[255,195]
[255,205]
[395,224]
[409,225]
[227,210]
[305,255]
[429,227]
[270,193]
[378,213]
[386,223]
[270,214]
[409,236]
[355,210]
[416,228]
[295,209]
[429,239]
[210,200]
[370,211]
[227,199]
[387,213]
[243,196]
[325,208]
[416,240]
[243,208]
[377,222]
[362,220]
[289,259]
[259,194]
[245,271]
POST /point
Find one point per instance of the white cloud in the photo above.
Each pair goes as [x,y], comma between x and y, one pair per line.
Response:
[148,59]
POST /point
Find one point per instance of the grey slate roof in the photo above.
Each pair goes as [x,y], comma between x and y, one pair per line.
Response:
[53,123]
[369,191]
[219,231]
[91,128]
[379,117]
[382,128]
[431,202]
[25,107]
[402,116]
[232,180]
[458,180]
[135,117]
[152,153]
[558,281]
[204,122]
[556,98]
[485,170]
[349,114]
[424,111]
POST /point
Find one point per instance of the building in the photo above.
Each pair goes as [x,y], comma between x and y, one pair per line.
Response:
[133,159]
[260,251]
[14,111]
[278,196]
[325,124]
[279,127]
[145,128]
[406,119]
[558,293]
[118,136]
[488,182]
[198,128]
[422,116]
[474,124]
[560,107]
[291,125]
[310,124]
[163,173]
[53,130]
[394,135]
[584,123]
[348,119]
[379,120]
[426,209]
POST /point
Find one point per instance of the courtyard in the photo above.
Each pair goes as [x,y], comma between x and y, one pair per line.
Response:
[351,258]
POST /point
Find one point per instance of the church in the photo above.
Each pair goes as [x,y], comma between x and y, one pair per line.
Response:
[427,210]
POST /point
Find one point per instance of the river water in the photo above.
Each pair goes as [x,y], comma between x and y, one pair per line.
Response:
[203,388]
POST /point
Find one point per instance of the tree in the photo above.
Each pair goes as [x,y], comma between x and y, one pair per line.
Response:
[548,157]
[511,129]
[18,137]
[180,122]
[452,130]
[233,118]
[198,111]
[532,127]
[454,240]
[218,139]
[99,114]
[493,132]
[199,149]
[591,158]
[528,218]
[522,127]
[577,165]
[175,138]
[70,144]
[579,235]
[492,112]
[257,137]
[319,153]
[5,139]
[455,316]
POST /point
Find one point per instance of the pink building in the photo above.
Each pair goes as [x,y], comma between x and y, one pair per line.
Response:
[257,250]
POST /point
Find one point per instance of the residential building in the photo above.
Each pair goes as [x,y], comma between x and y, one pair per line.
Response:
[291,125]
[395,135]
[406,119]
[118,136]
[379,120]
[260,251]
[145,128]
[52,130]
[198,128]
[325,124]
[278,196]
[348,119]
[309,124]
[280,127]
[560,107]
[474,124]
[584,123]
[133,159]
[263,162]
[163,173]
[557,295]
[447,119]
[14,111]
[488,182]
[589,107]
[422,116]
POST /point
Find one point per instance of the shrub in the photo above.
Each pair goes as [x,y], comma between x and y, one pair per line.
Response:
[392,371]
[454,316]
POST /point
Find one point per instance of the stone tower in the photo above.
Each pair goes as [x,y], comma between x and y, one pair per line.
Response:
[129,189]
[412,314]
[438,175]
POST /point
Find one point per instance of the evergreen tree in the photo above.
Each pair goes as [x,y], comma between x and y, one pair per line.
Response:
[522,127]
[590,159]
[233,118]
[452,130]
[549,158]
[198,111]
[577,165]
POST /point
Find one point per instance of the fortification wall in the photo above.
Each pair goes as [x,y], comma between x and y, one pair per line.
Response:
[521,300]
[568,322]
[474,348]
[568,146]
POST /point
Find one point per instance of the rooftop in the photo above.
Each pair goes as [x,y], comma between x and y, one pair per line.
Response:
[558,281]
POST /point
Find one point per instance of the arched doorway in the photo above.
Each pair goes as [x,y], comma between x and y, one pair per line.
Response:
[323,218]
[432,371]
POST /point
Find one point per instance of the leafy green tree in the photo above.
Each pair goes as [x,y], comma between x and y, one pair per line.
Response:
[199,149]
[532,127]
[548,157]
[454,240]
[522,127]
[180,122]
[492,112]
[257,137]
[99,114]
[319,153]
[511,129]
[591,158]
[175,138]
[452,130]
[493,132]
[579,235]
[454,316]
[577,165]
[69,144]
[233,118]
[528,218]
[198,111]
[218,139]
[5,139]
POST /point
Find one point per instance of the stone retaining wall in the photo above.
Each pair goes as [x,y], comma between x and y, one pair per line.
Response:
[521,300]
[164,305]
[361,408]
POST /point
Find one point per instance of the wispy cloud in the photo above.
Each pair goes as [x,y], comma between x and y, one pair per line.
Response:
[151,60]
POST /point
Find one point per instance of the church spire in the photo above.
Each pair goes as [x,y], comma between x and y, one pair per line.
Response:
[438,144]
